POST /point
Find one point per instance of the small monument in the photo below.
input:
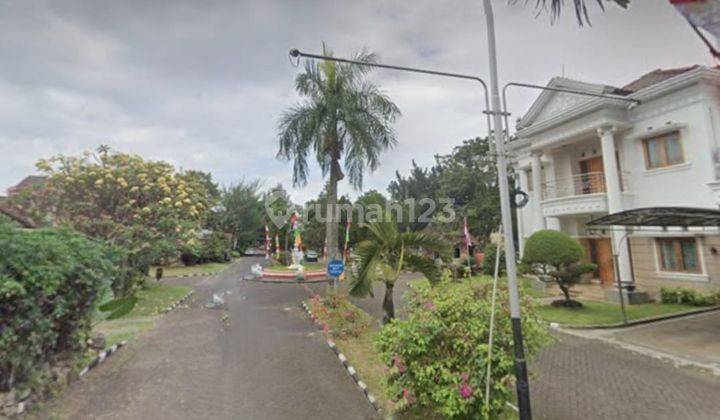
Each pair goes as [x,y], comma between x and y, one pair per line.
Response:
[297,253]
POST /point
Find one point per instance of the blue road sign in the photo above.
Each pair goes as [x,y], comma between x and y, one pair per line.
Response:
[335,268]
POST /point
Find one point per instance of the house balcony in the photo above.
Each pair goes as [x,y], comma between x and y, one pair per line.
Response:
[577,195]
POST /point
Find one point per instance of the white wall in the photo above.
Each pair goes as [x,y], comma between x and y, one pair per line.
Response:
[680,185]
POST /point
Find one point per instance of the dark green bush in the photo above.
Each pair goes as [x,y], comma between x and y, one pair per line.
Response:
[215,247]
[50,283]
[488,264]
[687,296]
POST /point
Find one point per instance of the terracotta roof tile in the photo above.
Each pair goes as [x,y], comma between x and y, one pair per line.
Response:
[655,77]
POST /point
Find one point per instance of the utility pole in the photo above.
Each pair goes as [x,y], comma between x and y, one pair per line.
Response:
[521,375]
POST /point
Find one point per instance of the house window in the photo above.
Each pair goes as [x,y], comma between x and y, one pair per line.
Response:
[664,150]
[678,255]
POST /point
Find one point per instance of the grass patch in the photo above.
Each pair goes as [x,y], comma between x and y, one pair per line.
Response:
[180,270]
[598,313]
[151,300]
[312,266]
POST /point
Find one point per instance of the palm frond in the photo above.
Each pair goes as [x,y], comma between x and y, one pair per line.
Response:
[368,254]
[556,7]
[424,265]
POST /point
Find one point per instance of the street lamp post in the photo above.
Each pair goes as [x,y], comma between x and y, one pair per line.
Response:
[522,386]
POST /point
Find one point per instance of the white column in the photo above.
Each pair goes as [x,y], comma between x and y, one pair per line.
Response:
[536,206]
[523,180]
[614,197]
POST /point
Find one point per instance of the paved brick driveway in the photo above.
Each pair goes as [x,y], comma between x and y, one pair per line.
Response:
[578,378]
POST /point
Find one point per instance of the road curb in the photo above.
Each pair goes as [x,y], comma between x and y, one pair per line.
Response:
[346,364]
[178,302]
[26,403]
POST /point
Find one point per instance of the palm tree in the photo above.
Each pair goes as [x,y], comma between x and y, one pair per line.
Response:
[343,117]
[390,251]
[581,8]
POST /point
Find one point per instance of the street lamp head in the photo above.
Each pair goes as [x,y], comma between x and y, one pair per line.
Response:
[294,52]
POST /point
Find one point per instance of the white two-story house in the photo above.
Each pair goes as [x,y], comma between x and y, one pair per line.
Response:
[580,158]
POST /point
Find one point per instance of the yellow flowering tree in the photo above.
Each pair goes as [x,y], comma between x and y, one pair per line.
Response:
[145,209]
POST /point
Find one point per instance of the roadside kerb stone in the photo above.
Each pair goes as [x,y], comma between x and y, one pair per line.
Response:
[344,362]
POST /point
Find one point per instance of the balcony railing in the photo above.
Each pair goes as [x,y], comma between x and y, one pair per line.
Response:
[587,183]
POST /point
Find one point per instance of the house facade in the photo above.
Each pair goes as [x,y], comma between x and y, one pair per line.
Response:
[580,158]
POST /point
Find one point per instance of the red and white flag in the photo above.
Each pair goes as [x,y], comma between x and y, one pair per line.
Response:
[267,243]
[466,232]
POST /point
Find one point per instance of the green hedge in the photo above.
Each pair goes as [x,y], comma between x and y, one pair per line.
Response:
[50,283]
[687,296]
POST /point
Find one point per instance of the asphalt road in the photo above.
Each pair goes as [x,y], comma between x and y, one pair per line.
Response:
[268,362]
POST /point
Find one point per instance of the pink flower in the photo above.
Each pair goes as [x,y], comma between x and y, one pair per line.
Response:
[466,391]
[429,305]
[408,396]
[398,362]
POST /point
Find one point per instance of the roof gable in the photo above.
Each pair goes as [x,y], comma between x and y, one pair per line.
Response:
[549,103]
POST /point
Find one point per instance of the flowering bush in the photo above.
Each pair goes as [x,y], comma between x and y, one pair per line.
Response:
[339,317]
[146,209]
[437,358]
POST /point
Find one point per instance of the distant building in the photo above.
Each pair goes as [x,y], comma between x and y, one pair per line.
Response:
[580,158]
[14,211]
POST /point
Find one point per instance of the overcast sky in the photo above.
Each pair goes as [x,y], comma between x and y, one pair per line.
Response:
[201,83]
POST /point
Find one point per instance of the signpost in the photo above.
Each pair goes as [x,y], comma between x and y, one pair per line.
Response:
[334,269]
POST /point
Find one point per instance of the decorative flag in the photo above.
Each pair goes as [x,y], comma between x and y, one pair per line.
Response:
[325,249]
[267,242]
[466,232]
[702,14]
[277,243]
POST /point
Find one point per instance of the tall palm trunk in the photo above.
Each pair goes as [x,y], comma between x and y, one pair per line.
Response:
[331,225]
[388,303]
[336,175]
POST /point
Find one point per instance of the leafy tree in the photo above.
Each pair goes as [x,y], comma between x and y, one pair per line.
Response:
[314,228]
[420,185]
[277,200]
[344,117]
[370,204]
[468,176]
[555,257]
[387,254]
[145,210]
[241,214]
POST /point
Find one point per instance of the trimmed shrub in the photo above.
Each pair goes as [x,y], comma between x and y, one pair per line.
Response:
[437,358]
[50,283]
[555,257]
[688,296]
[488,264]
